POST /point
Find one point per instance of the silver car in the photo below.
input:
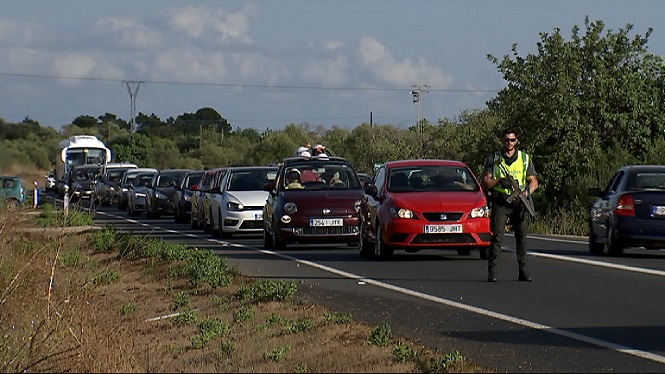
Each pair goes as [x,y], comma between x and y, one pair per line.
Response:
[237,202]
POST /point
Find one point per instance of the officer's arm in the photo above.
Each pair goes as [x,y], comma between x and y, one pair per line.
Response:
[533,183]
[488,181]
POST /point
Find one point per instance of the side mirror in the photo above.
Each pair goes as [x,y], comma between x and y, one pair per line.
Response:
[268,186]
[372,191]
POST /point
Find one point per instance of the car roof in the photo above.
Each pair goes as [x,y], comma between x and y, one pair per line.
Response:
[236,168]
[423,162]
[174,171]
[314,158]
[644,168]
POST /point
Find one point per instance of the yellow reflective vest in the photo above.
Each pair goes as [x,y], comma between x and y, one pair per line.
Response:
[517,170]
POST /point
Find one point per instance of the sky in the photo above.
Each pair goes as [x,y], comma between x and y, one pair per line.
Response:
[264,64]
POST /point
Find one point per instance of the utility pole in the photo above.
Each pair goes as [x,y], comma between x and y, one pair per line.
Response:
[133,89]
[418,95]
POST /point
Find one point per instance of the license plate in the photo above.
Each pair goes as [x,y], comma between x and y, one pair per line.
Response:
[325,222]
[258,216]
[443,229]
[658,210]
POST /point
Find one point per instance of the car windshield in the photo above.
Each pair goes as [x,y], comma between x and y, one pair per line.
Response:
[649,181]
[115,175]
[250,180]
[143,180]
[168,180]
[193,179]
[320,175]
[85,174]
[431,178]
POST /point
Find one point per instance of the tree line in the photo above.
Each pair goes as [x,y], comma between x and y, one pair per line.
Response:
[585,106]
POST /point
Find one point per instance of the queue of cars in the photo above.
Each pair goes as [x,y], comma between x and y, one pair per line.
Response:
[408,205]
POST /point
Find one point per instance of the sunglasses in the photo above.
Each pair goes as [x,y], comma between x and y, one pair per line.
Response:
[511,140]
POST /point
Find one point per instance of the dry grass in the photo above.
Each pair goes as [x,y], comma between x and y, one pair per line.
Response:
[66,307]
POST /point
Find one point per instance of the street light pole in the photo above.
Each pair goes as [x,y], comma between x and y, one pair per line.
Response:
[418,94]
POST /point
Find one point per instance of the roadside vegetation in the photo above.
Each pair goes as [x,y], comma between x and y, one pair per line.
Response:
[586,104]
[104,301]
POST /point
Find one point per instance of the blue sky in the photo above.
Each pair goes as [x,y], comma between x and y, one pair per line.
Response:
[267,63]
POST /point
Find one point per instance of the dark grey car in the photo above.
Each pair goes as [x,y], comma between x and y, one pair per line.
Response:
[629,211]
[160,195]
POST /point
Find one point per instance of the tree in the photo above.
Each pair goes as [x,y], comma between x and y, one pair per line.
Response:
[574,99]
[133,148]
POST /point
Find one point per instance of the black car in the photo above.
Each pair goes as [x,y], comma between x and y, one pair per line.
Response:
[81,182]
[160,195]
[312,201]
[629,211]
[183,195]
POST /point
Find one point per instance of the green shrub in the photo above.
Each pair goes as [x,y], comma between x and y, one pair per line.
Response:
[73,258]
[336,317]
[267,290]
[278,354]
[103,240]
[381,335]
[441,363]
[404,352]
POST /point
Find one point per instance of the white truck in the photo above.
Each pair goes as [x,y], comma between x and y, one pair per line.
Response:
[75,151]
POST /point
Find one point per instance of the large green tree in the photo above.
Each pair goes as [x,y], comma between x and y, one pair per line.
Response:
[576,99]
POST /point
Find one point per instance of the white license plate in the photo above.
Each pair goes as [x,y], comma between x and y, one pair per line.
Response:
[326,222]
[443,229]
[659,210]
[258,216]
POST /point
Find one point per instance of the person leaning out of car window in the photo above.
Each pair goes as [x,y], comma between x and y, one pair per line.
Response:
[500,166]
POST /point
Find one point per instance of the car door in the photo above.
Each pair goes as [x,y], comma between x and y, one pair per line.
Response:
[372,201]
[602,208]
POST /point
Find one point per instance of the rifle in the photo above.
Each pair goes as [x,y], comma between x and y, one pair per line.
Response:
[517,193]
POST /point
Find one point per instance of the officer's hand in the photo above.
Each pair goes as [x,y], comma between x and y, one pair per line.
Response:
[505,183]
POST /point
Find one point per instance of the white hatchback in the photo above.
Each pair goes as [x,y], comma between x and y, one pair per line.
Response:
[237,204]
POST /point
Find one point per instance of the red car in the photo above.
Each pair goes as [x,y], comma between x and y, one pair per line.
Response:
[424,204]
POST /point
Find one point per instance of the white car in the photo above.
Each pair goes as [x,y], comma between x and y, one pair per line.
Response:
[237,203]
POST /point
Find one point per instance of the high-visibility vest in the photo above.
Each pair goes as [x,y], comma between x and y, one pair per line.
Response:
[517,170]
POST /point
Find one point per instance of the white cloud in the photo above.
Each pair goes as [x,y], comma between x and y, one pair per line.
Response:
[187,65]
[375,56]
[129,32]
[198,22]
[333,44]
[326,71]
[13,33]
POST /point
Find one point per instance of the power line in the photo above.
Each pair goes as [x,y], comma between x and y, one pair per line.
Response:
[244,85]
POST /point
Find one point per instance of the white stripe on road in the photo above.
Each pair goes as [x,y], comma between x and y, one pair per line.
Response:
[450,303]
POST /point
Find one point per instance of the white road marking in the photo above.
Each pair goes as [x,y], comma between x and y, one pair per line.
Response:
[439,300]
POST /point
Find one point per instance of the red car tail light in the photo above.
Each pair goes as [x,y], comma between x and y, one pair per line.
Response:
[625,206]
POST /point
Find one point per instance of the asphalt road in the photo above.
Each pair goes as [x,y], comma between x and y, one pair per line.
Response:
[582,312]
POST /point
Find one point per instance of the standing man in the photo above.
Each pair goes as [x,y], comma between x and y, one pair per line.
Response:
[507,174]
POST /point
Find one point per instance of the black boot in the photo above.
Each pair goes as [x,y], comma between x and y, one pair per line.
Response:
[491,276]
[524,276]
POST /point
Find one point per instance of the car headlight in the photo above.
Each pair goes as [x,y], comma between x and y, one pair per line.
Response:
[230,205]
[187,198]
[480,212]
[402,213]
[138,194]
[161,196]
[290,208]
[356,205]
[124,190]
[112,188]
